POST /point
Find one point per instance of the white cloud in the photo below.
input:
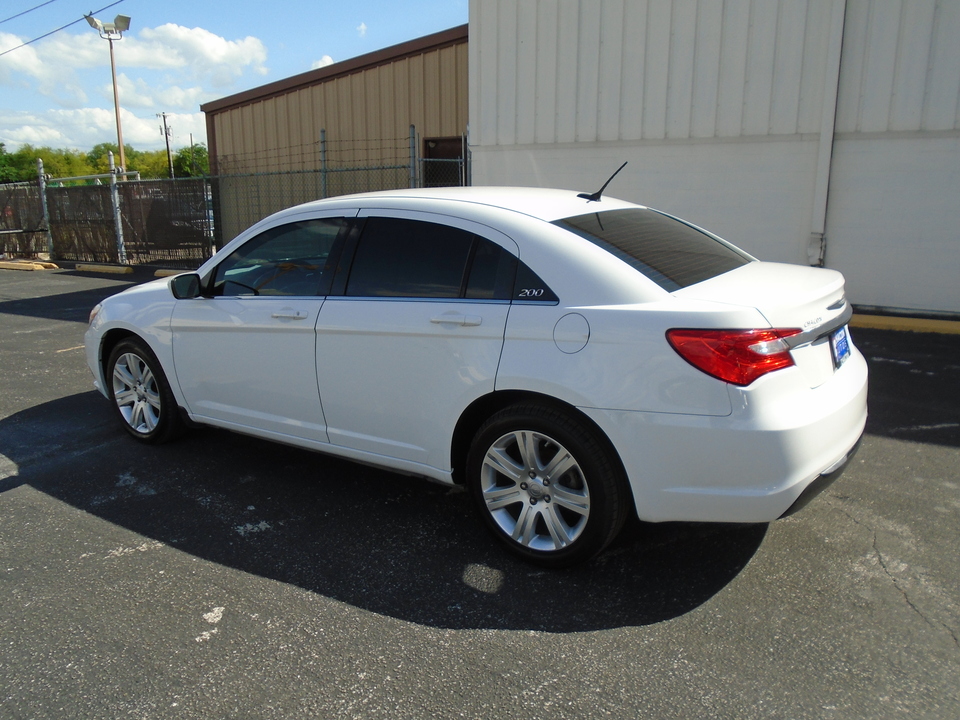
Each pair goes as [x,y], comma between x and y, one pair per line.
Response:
[145,132]
[198,52]
[169,68]
[322,62]
[29,130]
[82,129]
[31,69]
[362,29]
[60,128]
[193,53]
[141,94]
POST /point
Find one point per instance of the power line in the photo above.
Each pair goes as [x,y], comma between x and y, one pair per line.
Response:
[36,7]
[82,17]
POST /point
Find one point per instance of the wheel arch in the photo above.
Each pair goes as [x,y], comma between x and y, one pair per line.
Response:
[108,342]
[484,407]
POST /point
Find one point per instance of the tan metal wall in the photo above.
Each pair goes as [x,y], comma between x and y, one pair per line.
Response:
[366,107]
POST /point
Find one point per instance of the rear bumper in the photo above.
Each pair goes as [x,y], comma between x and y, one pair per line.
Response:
[782,444]
[823,481]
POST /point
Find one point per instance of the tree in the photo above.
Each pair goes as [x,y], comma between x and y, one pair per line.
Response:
[8,172]
[56,163]
[99,156]
[193,161]
[151,164]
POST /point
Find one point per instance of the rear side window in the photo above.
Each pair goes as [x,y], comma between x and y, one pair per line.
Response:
[530,288]
[667,251]
[492,270]
[397,257]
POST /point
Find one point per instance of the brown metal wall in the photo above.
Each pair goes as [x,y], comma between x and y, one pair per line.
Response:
[366,107]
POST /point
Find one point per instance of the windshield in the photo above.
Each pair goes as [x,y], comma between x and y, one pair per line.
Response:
[671,253]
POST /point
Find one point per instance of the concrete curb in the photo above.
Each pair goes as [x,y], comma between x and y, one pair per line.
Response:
[907,324]
[123,270]
[27,265]
[112,269]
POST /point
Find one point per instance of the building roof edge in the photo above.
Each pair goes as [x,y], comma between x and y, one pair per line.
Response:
[435,41]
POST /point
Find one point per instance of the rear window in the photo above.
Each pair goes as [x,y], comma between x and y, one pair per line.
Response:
[671,253]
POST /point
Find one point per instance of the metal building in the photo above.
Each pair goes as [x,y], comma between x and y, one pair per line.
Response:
[392,118]
[802,130]
[364,107]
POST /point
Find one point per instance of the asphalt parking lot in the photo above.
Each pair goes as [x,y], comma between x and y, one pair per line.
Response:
[224,577]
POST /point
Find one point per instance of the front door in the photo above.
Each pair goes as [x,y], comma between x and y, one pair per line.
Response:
[244,353]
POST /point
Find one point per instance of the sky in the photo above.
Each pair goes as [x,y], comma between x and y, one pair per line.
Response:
[177,55]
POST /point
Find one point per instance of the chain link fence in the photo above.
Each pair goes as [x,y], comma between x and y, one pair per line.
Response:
[244,199]
[180,223]
[22,229]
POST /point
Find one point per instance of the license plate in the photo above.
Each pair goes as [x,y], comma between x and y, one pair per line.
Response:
[840,345]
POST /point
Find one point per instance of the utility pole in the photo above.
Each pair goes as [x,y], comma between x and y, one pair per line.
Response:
[166,134]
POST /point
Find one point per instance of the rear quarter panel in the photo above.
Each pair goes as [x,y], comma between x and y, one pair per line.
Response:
[625,363]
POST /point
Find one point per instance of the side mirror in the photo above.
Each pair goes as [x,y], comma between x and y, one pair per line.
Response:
[185,287]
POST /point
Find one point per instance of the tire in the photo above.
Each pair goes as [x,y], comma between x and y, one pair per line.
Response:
[141,394]
[547,485]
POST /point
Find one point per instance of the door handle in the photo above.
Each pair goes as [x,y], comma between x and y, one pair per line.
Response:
[289,316]
[457,319]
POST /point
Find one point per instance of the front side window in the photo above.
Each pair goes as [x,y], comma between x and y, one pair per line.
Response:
[285,260]
[670,253]
[403,258]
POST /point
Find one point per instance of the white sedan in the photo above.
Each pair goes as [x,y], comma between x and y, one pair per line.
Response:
[570,359]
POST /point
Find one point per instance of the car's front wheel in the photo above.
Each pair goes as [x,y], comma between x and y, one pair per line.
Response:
[546,485]
[141,394]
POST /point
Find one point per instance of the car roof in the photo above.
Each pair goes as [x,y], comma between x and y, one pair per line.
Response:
[590,273]
[545,204]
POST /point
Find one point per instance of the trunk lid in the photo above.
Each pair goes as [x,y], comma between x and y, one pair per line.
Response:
[788,296]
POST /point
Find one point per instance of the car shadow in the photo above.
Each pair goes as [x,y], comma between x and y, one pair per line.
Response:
[71,307]
[389,544]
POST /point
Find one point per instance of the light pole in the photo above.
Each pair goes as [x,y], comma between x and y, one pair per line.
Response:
[110,32]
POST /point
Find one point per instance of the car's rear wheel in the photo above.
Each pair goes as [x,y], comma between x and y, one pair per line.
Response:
[546,485]
[141,394]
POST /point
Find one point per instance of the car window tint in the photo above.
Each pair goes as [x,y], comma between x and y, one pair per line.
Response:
[669,252]
[409,258]
[492,271]
[285,260]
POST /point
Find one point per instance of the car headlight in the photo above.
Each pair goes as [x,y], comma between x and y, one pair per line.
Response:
[93,314]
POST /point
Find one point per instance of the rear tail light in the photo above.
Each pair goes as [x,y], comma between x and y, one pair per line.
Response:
[734,356]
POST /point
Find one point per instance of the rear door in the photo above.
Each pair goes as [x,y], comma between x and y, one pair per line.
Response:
[413,333]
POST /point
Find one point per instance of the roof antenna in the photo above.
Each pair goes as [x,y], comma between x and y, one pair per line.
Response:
[595,197]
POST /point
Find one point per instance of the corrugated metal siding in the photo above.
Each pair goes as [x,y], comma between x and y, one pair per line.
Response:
[901,66]
[549,71]
[366,115]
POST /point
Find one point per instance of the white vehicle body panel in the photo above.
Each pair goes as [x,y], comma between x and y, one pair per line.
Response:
[220,343]
[625,363]
[404,401]
[690,467]
[142,310]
